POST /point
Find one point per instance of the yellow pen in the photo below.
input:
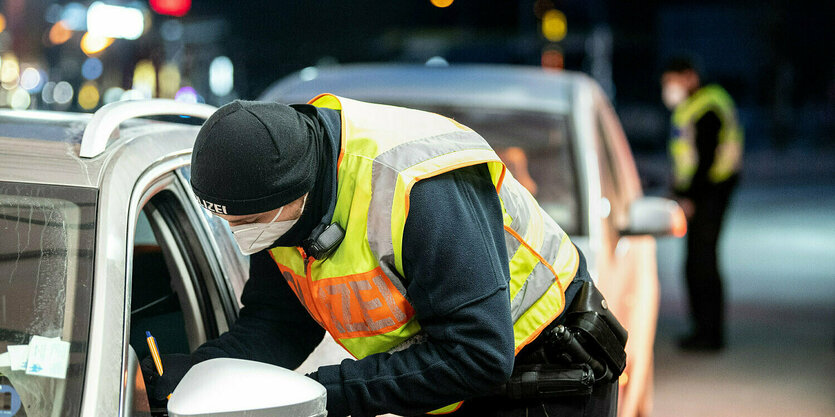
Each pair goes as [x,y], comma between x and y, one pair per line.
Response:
[152,346]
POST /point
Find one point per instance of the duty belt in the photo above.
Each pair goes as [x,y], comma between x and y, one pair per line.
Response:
[584,349]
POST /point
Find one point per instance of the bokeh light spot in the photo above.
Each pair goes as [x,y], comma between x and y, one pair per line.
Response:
[145,78]
[112,94]
[221,76]
[442,3]
[30,79]
[88,96]
[19,99]
[47,94]
[92,68]
[186,95]
[74,16]
[308,74]
[171,7]
[62,93]
[554,25]
[93,44]
[169,80]
[59,33]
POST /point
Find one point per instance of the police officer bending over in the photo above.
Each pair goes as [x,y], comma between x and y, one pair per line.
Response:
[401,233]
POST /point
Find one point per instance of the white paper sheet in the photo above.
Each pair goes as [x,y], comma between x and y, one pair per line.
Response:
[17,356]
[48,357]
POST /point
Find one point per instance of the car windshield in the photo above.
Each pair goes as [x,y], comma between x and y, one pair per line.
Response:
[536,147]
[46,269]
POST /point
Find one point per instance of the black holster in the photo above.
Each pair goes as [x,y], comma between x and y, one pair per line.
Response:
[586,347]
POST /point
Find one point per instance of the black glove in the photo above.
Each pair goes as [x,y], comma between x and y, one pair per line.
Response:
[174,367]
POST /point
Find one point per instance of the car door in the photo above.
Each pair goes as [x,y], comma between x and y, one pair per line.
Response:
[629,261]
[181,277]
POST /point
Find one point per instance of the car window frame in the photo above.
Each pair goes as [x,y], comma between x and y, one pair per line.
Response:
[233,266]
[163,177]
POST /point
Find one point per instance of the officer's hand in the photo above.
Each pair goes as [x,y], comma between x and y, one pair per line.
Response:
[174,367]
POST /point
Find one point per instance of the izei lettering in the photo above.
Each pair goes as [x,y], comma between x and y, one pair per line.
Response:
[214,207]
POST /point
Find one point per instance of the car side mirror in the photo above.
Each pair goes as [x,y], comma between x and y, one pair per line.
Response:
[656,216]
[235,387]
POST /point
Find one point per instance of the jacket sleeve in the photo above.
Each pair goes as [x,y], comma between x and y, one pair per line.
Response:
[455,267]
[271,312]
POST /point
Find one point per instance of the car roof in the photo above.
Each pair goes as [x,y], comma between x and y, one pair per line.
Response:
[497,86]
[43,146]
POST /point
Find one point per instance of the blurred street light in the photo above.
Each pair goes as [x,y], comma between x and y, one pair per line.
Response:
[109,21]
[91,69]
[169,80]
[62,93]
[93,44]
[2,22]
[554,26]
[187,94]
[31,79]
[88,96]
[74,16]
[59,33]
[175,8]
[47,93]
[20,99]
[309,73]
[552,58]
[145,78]
[221,76]
[437,61]
[442,3]
[9,71]
[112,94]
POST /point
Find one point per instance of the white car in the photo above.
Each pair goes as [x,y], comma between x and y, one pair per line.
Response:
[101,240]
[559,136]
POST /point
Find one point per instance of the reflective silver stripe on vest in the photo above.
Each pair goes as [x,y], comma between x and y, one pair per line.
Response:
[384,173]
[514,195]
[537,283]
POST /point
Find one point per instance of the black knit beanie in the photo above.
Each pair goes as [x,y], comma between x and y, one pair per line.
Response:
[252,157]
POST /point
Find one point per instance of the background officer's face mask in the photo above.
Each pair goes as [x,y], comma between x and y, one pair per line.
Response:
[672,94]
[255,237]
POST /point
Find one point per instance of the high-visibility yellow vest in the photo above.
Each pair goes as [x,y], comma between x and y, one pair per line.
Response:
[683,151]
[358,294]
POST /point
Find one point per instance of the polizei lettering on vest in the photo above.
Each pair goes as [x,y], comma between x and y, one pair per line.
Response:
[355,305]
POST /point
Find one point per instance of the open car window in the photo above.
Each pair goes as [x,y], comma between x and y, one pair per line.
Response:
[177,289]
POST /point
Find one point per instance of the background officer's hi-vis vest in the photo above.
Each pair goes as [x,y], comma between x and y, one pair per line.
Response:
[357,294]
[683,141]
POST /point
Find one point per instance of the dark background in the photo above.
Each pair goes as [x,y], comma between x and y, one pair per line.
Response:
[775,57]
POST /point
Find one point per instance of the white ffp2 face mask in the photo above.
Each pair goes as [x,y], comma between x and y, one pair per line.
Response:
[255,237]
[673,94]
